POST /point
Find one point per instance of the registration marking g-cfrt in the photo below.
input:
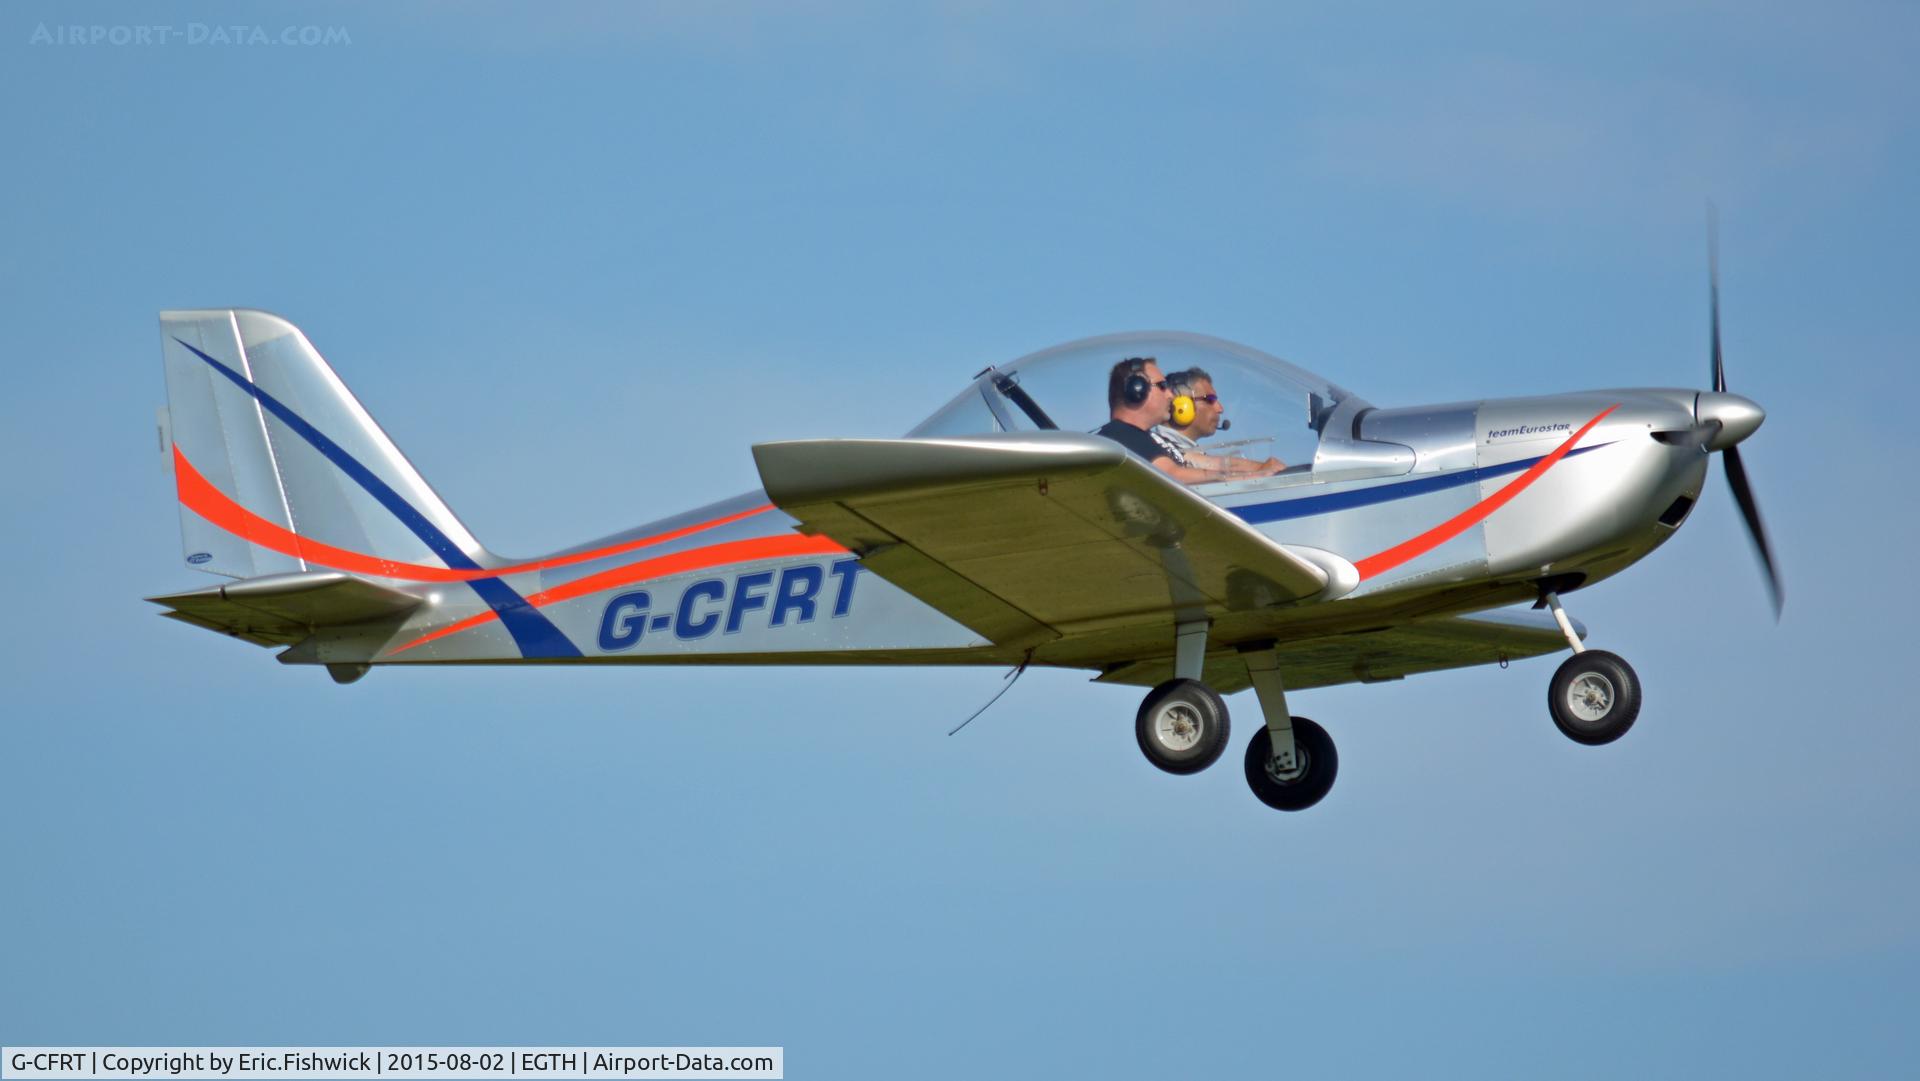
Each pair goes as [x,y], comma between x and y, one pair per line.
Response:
[728,603]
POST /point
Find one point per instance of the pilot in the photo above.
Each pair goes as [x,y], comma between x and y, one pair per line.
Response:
[1204,415]
[1137,399]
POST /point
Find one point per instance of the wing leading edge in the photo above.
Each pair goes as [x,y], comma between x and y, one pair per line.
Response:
[1028,538]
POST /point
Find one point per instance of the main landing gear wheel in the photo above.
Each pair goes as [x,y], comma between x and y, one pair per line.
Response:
[1594,697]
[1307,783]
[1182,726]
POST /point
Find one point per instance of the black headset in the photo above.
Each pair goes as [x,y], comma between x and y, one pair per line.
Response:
[1137,389]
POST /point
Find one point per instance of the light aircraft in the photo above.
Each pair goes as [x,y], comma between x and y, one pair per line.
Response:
[997,532]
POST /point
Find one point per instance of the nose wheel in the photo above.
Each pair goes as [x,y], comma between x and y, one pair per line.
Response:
[1595,695]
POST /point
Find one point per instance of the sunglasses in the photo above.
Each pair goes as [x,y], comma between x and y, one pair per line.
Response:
[1210,399]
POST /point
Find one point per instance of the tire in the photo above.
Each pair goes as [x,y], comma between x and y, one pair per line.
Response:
[1319,765]
[1594,697]
[1182,726]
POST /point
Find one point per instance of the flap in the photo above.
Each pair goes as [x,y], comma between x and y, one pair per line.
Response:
[281,609]
[1025,538]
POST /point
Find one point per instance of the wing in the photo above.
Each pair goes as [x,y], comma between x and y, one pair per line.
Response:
[282,609]
[1426,645]
[1028,538]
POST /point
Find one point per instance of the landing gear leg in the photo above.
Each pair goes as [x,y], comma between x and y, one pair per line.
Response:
[1264,669]
[1595,696]
[1566,625]
[1291,763]
[1182,726]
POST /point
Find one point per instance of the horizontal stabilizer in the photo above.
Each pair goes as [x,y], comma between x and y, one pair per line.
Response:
[1027,538]
[282,609]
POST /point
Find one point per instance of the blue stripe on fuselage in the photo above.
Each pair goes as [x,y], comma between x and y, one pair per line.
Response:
[1308,506]
[533,632]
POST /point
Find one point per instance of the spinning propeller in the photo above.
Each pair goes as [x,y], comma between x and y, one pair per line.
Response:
[1731,418]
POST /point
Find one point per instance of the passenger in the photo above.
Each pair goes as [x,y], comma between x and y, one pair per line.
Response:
[1137,399]
[1208,417]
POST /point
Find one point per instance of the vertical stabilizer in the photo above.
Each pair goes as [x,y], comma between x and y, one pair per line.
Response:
[274,458]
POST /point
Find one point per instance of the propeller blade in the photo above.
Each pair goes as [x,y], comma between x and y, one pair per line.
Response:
[1736,471]
[1743,495]
[1713,288]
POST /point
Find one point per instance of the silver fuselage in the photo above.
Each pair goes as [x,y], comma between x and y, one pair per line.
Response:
[1437,509]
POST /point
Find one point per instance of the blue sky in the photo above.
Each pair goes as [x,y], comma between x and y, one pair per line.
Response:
[542,245]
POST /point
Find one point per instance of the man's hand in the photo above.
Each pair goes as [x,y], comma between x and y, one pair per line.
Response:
[1247,467]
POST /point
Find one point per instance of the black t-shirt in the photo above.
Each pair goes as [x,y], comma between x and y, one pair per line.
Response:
[1138,440]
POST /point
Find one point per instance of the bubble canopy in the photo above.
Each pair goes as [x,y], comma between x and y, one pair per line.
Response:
[1275,408]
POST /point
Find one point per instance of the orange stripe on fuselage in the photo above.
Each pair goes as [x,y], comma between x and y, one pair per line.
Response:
[200,496]
[694,559]
[1467,519]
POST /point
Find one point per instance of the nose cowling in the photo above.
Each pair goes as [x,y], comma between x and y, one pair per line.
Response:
[1738,417]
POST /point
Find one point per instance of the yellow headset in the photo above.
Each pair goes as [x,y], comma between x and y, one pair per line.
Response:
[1182,410]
